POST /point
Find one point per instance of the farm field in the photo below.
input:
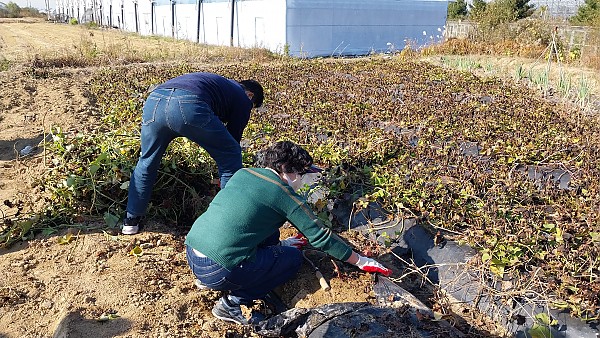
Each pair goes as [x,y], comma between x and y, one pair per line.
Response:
[451,149]
[557,82]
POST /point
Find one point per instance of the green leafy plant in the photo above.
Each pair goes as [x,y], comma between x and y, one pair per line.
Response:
[541,326]
[583,91]
[519,72]
[564,84]
[4,64]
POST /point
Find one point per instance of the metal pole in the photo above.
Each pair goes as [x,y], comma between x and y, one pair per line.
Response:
[135,10]
[152,16]
[198,21]
[232,16]
[173,18]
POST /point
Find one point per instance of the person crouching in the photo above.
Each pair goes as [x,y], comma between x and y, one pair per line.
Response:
[234,246]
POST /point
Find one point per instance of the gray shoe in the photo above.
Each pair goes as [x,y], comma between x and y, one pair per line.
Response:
[226,311]
[131,225]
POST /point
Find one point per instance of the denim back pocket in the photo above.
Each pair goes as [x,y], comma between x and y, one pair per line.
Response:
[195,113]
[149,110]
[214,276]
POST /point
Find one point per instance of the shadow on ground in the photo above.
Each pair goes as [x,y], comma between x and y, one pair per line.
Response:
[74,324]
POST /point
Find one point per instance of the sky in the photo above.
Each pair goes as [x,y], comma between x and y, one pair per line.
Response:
[39,4]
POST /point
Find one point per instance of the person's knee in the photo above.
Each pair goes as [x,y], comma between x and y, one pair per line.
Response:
[295,258]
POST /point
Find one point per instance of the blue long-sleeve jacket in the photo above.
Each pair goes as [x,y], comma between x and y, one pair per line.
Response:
[226,97]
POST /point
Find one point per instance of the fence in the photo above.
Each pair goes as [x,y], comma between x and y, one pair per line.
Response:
[575,37]
[459,29]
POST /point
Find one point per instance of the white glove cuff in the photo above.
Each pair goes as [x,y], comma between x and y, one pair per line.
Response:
[362,261]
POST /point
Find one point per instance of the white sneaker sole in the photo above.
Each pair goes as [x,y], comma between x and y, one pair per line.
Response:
[200,286]
[130,229]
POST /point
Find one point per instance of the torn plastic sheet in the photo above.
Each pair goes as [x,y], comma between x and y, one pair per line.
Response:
[448,268]
[398,313]
[390,294]
[373,222]
[343,320]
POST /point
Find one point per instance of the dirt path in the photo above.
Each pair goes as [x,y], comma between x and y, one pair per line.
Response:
[22,39]
[25,39]
[29,108]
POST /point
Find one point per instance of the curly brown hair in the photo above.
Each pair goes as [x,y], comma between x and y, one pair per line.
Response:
[284,157]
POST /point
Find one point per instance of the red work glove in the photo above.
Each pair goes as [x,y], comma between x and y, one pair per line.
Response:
[298,241]
[371,265]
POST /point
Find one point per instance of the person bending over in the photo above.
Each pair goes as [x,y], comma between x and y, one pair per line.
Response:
[206,108]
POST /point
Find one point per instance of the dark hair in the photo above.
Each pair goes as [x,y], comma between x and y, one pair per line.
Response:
[256,89]
[284,156]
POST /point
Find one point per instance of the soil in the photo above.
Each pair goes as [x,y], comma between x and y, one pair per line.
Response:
[85,282]
[65,289]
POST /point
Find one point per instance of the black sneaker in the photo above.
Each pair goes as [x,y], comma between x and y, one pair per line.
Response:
[131,225]
[229,312]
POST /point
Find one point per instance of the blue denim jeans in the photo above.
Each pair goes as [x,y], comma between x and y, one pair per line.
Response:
[250,280]
[172,113]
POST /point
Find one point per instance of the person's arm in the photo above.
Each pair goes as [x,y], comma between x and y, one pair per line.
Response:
[321,237]
[238,122]
[364,263]
[367,264]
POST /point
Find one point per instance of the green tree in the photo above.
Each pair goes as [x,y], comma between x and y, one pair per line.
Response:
[476,9]
[30,12]
[524,9]
[457,9]
[587,14]
[13,10]
[500,11]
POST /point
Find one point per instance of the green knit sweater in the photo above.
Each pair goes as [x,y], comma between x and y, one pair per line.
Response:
[251,207]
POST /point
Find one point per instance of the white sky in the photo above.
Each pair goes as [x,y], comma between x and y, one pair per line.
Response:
[39,4]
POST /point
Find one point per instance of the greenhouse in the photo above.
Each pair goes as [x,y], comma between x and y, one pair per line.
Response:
[307,28]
